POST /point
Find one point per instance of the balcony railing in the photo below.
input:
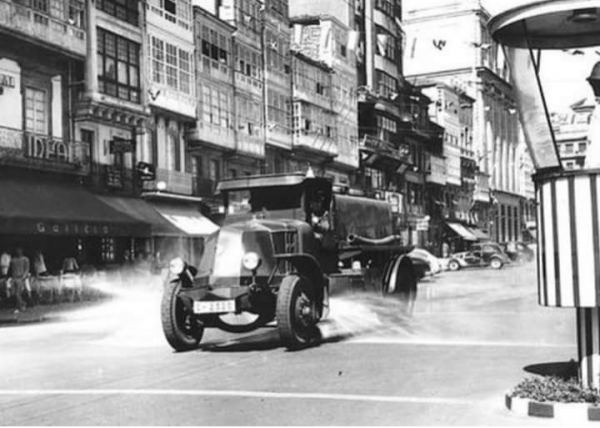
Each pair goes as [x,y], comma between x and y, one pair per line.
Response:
[175,181]
[114,178]
[22,18]
[315,142]
[401,152]
[44,152]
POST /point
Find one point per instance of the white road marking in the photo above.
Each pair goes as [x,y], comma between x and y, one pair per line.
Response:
[247,394]
[441,342]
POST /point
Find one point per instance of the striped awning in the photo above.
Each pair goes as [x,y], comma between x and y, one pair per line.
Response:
[462,231]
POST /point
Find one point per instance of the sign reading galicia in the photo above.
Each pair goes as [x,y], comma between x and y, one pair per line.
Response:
[46,148]
[71,229]
[7,81]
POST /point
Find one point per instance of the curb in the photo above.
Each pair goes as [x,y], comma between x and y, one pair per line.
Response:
[568,412]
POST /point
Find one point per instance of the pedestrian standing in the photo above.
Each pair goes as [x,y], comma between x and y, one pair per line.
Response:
[39,264]
[19,274]
[4,278]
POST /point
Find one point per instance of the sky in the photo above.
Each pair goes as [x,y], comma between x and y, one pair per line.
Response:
[563,74]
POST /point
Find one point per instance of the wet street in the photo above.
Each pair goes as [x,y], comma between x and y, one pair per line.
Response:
[472,335]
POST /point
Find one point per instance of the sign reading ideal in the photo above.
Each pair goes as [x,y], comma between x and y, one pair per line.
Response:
[42,147]
[7,81]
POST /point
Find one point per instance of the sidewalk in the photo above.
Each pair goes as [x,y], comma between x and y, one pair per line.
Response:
[41,312]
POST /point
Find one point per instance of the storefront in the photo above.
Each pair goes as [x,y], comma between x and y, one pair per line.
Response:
[62,220]
[458,237]
[177,228]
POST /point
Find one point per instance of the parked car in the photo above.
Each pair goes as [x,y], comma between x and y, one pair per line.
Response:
[425,263]
[481,254]
[518,251]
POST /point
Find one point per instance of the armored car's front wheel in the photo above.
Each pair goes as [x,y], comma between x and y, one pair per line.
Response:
[181,327]
[296,312]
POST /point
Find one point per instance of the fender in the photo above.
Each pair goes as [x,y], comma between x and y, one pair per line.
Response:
[306,265]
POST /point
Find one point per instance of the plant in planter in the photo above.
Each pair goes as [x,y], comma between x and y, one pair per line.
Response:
[555,389]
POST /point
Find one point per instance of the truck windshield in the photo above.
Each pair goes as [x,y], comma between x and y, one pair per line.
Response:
[264,198]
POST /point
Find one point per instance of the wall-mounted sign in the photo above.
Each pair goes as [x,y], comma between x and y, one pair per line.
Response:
[146,171]
[59,228]
[43,147]
[121,145]
[7,81]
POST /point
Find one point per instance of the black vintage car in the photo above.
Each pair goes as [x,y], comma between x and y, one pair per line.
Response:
[480,255]
[285,242]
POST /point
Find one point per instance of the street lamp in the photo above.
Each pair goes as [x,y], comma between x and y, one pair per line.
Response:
[161,185]
[568,213]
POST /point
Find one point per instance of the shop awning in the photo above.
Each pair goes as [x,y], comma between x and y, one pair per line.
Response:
[479,234]
[31,207]
[143,212]
[187,219]
[462,231]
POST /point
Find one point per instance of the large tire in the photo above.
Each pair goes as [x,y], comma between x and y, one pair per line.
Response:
[181,327]
[296,313]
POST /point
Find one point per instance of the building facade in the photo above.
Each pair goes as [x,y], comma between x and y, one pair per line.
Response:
[455,34]
[97,127]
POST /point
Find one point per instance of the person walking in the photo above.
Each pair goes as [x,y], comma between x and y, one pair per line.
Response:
[19,274]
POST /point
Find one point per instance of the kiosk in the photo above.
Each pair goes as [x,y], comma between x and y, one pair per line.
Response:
[568,201]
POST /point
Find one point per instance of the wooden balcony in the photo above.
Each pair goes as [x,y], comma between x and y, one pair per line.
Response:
[21,19]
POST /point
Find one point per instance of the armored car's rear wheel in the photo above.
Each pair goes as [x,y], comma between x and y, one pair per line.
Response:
[181,327]
[296,312]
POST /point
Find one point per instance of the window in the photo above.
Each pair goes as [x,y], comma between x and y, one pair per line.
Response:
[385,6]
[386,44]
[568,148]
[178,12]
[118,66]
[36,111]
[124,10]
[107,248]
[76,13]
[374,178]
[197,166]
[173,152]
[41,5]
[387,85]
[171,66]
[215,170]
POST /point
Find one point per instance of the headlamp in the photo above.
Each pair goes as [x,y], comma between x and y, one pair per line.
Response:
[250,261]
[176,266]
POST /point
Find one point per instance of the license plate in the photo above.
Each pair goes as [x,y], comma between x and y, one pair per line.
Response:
[214,307]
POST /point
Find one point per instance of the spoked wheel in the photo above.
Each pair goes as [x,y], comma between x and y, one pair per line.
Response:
[296,313]
[182,328]
[400,279]
[496,263]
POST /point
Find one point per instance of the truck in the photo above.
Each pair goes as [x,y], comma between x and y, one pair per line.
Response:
[286,242]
